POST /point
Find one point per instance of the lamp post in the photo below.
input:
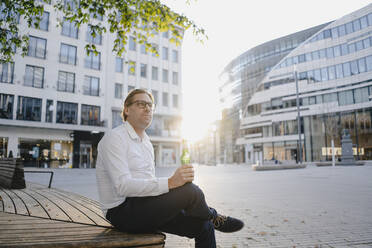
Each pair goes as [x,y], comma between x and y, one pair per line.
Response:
[298,117]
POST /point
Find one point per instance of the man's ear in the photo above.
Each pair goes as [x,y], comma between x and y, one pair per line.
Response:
[126,110]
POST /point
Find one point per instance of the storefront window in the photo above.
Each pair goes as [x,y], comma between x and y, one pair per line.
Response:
[268,150]
[291,150]
[279,151]
[318,140]
[364,127]
[168,155]
[3,147]
[45,153]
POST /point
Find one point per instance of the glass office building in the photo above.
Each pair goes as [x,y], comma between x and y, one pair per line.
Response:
[334,72]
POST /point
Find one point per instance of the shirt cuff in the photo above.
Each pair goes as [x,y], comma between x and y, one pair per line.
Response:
[163,185]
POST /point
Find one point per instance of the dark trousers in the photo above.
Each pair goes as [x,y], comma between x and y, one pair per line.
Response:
[182,211]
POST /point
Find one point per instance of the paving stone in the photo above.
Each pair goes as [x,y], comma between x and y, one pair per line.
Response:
[313,207]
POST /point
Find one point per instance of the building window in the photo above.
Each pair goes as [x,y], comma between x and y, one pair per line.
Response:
[116,118]
[175,78]
[331,72]
[96,39]
[118,64]
[91,86]
[361,95]
[165,99]
[354,67]
[93,61]
[165,76]
[143,70]
[132,68]
[174,56]
[67,112]
[339,71]
[345,97]
[165,53]
[6,72]
[156,97]
[6,106]
[44,22]
[12,15]
[362,65]
[34,76]
[66,82]
[90,115]
[344,49]
[143,49]
[346,69]
[156,47]
[349,28]
[70,29]
[67,54]
[369,63]
[29,109]
[72,5]
[175,101]
[165,34]
[118,91]
[154,73]
[130,88]
[96,15]
[37,47]
[49,111]
[132,43]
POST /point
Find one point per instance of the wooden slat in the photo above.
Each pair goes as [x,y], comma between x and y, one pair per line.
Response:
[30,232]
[60,219]
[20,207]
[51,208]
[34,207]
[85,207]
[7,201]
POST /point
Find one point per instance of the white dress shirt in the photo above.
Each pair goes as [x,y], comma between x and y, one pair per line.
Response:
[125,167]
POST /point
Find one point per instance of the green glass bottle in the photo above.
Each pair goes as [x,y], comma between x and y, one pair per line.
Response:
[185,157]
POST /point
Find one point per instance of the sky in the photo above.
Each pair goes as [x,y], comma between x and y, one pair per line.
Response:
[234,27]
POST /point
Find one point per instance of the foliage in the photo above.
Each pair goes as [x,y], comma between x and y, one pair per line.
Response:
[139,18]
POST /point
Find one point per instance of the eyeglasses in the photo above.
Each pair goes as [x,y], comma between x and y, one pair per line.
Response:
[143,104]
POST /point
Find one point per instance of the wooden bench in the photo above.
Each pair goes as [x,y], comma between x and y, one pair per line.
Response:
[12,174]
[38,216]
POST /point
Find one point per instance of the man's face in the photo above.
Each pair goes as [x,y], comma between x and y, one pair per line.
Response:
[139,115]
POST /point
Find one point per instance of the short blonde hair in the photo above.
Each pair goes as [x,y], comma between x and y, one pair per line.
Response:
[129,98]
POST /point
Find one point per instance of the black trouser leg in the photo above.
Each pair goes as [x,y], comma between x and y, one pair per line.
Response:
[145,214]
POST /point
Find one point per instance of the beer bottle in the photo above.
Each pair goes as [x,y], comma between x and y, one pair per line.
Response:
[185,157]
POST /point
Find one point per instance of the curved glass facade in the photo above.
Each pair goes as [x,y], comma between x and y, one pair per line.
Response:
[239,81]
[334,72]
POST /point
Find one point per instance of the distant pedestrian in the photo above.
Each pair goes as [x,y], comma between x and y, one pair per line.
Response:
[134,200]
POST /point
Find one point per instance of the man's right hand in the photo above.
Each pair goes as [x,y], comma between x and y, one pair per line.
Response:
[182,175]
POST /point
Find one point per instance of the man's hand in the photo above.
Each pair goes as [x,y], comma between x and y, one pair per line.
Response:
[182,175]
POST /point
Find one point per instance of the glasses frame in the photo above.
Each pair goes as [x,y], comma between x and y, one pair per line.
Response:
[143,104]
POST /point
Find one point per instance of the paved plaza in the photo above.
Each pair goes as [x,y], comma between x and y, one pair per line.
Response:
[311,207]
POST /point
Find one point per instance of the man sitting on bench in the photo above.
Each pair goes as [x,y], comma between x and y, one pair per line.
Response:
[134,200]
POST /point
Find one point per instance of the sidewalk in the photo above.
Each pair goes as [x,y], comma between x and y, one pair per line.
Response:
[311,207]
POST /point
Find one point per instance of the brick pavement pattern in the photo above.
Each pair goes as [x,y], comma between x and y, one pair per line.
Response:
[311,207]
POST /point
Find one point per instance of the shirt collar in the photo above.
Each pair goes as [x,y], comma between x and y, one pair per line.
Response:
[132,133]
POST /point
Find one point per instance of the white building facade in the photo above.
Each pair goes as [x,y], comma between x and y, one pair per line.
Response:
[57,102]
[334,68]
